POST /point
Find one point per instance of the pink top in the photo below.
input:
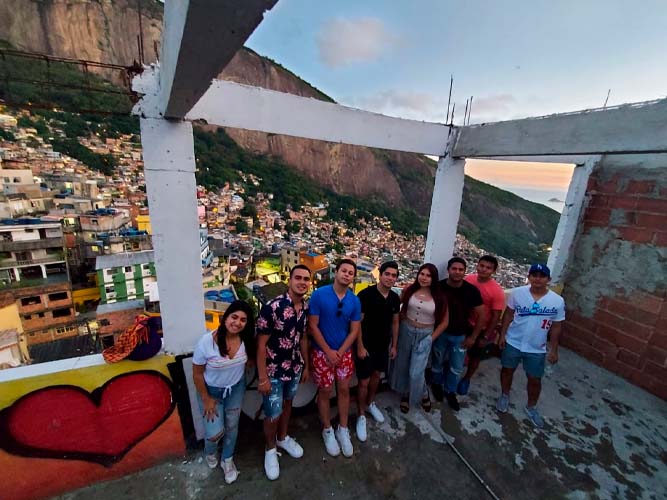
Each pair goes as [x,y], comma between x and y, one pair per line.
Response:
[492,293]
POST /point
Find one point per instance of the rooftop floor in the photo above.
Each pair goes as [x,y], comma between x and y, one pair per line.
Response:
[604,438]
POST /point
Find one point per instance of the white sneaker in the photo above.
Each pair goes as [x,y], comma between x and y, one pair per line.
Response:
[361,429]
[343,437]
[375,413]
[271,465]
[212,461]
[290,445]
[231,472]
[330,442]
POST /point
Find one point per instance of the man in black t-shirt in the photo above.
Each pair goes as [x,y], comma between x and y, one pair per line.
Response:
[463,300]
[377,342]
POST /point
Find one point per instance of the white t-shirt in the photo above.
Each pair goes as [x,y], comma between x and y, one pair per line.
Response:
[220,371]
[532,320]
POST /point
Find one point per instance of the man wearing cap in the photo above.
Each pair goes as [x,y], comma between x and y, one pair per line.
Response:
[532,314]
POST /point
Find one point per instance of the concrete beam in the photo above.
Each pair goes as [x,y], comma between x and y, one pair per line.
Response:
[445,212]
[630,128]
[169,168]
[232,104]
[199,39]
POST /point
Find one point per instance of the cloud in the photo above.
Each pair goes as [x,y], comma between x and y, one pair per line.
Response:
[343,41]
[413,105]
[493,108]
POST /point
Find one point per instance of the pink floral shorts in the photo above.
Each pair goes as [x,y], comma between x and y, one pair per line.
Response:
[323,373]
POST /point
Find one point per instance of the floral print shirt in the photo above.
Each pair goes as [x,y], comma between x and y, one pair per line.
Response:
[279,320]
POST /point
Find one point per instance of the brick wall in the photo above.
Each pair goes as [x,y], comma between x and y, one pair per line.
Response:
[615,284]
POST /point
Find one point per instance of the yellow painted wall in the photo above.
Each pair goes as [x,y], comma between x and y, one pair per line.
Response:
[79,297]
[144,223]
[88,378]
[10,319]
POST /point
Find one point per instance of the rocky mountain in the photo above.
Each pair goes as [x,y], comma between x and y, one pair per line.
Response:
[106,30]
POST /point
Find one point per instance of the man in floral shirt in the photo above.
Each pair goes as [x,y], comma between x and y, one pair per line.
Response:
[282,347]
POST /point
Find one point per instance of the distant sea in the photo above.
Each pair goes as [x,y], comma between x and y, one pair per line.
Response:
[539,196]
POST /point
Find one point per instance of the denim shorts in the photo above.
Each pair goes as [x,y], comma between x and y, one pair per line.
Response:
[533,363]
[280,390]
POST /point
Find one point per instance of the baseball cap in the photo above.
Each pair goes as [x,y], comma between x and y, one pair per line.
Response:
[540,268]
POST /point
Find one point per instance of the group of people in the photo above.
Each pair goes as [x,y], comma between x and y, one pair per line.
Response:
[436,323]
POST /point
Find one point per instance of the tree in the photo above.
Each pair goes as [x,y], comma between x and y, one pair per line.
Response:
[241,225]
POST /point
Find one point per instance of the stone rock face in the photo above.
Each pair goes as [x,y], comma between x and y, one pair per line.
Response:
[106,31]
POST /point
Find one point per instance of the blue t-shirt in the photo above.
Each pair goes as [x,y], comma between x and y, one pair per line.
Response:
[335,315]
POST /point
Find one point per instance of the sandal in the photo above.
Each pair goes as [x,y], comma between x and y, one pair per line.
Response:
[405,405]
[426,404]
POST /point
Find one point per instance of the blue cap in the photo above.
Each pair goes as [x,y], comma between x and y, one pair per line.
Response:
[540,268]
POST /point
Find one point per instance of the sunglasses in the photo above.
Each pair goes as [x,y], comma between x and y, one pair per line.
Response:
[340,309]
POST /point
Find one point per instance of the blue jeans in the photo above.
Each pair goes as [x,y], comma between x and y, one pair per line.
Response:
[228,408]
[406,373]
[280,390]
[448,347]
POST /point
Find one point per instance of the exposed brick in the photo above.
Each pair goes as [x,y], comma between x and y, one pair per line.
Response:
[585,350]
[656,355]
[607,348]
[659,340]
[627,202]
[646,301]
[628,358]
[649,220]
[580,334]
[608,186]
[655,371]
[655,205]
[657,387]
[592,184]
[660,239]
[607,333]
[630,311]
[598,200]
[598,214]
[602,316]
[581,321]
[639,187]
[636,235]
[629,343]
[590,224]
[622,369]
[637,330]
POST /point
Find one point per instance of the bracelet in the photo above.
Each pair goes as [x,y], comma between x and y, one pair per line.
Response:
[265,381]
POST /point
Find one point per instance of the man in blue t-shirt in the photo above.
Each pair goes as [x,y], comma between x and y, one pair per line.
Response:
[334,322]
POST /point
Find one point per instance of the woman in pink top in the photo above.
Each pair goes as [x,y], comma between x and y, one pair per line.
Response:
[424,316]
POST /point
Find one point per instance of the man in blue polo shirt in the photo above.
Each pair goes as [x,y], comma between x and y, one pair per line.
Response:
[334,323]
[533,313]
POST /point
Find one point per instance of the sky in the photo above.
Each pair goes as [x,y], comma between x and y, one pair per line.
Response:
[517,58]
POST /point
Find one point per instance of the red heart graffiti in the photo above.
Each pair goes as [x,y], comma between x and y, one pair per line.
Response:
[69,422]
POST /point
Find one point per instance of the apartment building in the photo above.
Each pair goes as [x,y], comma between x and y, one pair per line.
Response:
[123,277]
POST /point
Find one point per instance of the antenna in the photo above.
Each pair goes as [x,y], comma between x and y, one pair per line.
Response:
[452,120]
[607,99]
[451,84]
[465,113]
[470,110]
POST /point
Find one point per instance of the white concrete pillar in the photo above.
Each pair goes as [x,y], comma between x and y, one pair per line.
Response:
[445,211]
[169,168]
[17,274]
[43,268]
[570,218]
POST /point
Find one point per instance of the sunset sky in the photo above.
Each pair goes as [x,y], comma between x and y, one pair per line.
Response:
[517,58]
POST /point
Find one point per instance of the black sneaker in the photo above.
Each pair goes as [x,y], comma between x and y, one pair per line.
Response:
[437,392]
[452,401]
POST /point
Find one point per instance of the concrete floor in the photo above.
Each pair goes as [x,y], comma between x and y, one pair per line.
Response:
[604,438]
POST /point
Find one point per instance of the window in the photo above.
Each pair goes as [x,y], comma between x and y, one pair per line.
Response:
[62,313]
[128,269]
[7,179]
[58,296]
[109,289]
[27,317]
[17,180]
[209,317]
[40,315]
[31,301]
[146,267]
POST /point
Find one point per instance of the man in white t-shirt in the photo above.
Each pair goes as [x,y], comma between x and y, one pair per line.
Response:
[532,314]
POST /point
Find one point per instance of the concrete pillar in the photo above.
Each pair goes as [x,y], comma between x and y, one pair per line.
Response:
[43,268]
[570,218]
[17,275]
[445,211]
[169,168]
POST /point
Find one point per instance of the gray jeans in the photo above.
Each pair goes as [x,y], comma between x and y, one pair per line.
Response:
[406,373]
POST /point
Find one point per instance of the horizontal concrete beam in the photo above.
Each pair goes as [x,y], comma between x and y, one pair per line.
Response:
[630,128]
[235,105]
[200,37]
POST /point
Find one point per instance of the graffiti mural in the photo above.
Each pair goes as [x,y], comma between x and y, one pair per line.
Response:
[101,426]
